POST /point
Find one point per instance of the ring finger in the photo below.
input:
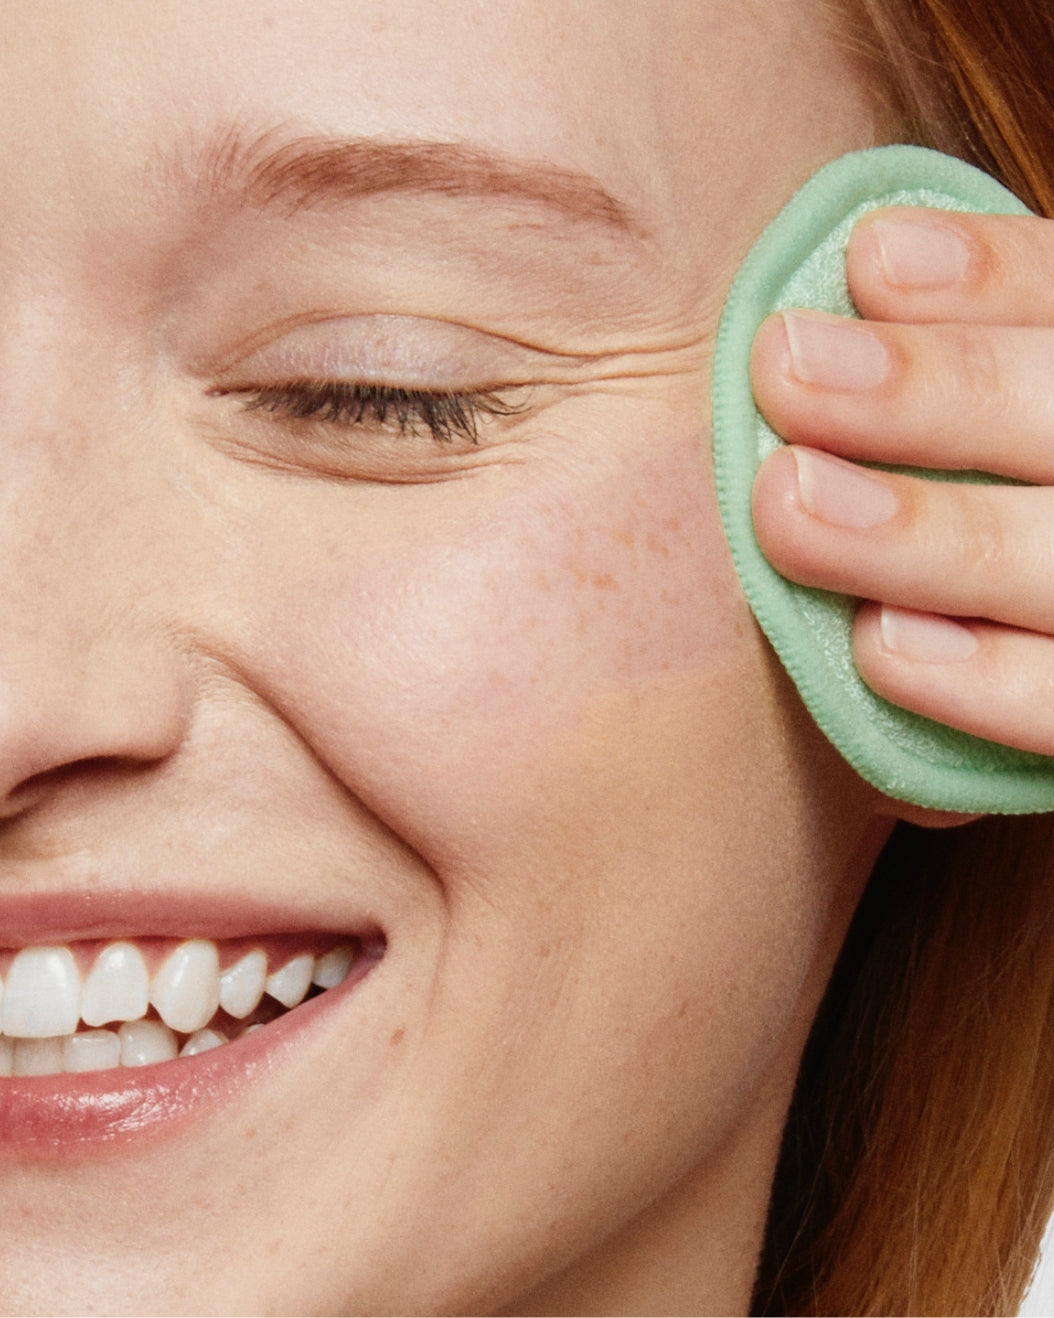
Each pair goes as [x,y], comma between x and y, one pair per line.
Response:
[975,551]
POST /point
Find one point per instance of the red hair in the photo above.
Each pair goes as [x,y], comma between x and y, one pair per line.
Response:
[917,1171]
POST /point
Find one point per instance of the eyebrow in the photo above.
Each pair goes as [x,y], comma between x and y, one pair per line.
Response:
[318,171]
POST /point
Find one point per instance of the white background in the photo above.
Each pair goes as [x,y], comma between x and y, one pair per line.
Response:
[1039,1302]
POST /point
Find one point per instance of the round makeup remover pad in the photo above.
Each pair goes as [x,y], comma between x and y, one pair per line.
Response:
[799,261]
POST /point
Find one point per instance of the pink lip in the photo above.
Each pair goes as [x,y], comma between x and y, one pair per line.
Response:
[63,1116]
[65,917]
[77,1114]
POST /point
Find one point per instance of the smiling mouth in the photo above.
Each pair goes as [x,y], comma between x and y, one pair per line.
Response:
[96,1005]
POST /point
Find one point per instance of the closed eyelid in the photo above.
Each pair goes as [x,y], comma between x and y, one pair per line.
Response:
[396,350]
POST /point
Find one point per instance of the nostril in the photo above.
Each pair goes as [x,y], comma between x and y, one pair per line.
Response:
[106,714]
[96,769]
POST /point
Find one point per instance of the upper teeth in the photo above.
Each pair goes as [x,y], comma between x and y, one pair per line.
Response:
[43,998]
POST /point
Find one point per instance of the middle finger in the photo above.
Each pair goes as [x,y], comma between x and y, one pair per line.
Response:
[959,397]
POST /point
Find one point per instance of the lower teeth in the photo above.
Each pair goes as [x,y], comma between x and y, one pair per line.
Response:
[143,1042]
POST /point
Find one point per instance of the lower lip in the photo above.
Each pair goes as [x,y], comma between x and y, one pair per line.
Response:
[62,1116]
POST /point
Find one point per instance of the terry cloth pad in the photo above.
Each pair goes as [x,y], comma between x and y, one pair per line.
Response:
[799,261]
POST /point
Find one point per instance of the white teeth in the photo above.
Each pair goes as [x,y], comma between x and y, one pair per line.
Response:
[43,1001]
[289,984]
[242,985]
[186,990]
[145,1042]
[332,967]
[202,1042]
[92,1050]
[42,995]
[38,1056]
[117,987]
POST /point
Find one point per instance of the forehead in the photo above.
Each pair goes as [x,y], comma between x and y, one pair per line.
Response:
[648,99]
[92,87]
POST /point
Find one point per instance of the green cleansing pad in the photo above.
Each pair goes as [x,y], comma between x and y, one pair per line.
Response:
[799,261]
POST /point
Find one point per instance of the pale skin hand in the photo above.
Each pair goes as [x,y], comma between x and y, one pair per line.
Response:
[952,369]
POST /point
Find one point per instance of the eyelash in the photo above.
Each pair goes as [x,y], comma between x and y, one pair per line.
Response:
[445,416]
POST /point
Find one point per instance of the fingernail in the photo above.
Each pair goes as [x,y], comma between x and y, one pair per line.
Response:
[838,354]
[839,493]
[915,255]
[925,637]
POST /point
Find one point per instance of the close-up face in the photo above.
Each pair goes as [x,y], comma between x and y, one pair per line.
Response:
[362,587]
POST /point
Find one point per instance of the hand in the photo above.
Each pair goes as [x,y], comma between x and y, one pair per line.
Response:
[953,368]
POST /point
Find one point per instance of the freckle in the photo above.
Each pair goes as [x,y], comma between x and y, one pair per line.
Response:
[626,538]
[603,581]
[398,1036]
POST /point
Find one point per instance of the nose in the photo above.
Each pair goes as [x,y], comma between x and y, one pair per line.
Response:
[91,673]
[117,701]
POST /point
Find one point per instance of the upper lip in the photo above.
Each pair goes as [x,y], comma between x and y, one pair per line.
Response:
[62,916]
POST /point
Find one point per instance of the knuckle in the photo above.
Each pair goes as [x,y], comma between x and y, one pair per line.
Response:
[990,268]
[983,539]
[973,366]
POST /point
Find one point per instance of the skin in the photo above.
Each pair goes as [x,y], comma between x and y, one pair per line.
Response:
[505,697]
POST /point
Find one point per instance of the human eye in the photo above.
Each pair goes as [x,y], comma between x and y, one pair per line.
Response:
[445,415]
[374,398]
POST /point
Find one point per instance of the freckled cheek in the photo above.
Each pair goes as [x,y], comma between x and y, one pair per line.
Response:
[554,587]
[516,602]
[647,581]
[614,581]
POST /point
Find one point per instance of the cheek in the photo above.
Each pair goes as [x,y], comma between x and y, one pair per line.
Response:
[543,680]
[466,629]
[618,582]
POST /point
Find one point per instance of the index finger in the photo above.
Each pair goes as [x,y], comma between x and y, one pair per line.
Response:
[916,265]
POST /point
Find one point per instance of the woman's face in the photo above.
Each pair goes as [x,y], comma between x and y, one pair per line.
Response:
[276,660]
